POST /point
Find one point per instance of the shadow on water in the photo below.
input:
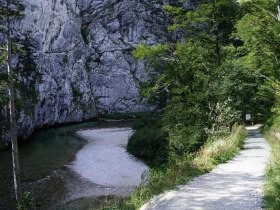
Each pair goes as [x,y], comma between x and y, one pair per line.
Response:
[43,161]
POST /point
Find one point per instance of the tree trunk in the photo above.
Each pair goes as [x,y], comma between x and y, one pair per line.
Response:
[13,123]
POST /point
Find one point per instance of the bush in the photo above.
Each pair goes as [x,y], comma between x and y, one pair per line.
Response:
[139,124]
[222,117]
[272,176]
[125,115]
[26,202]
[222,149]
[149,144]
[149,120]
[186,139]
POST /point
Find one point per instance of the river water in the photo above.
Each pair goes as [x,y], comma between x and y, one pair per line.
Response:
[45,167]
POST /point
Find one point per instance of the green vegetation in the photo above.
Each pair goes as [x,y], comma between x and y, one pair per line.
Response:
[187,84]
[90,203]
[26,96]
[3,98]
[150,142]
[76,92]
[225,64]
[272,184]
[191,76]
[126,115]
[26,201]
[219,150]
[259,31]
[85,33]
[11,9]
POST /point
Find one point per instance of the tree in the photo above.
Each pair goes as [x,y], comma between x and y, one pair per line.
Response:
[8,10]
[212,22]
[259,31]
[189,70]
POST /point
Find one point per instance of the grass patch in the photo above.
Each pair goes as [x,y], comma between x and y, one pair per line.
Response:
[86,203]
[272,176]
[181,169]
[219,150]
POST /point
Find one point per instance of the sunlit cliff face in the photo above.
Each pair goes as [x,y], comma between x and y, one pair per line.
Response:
[81,52]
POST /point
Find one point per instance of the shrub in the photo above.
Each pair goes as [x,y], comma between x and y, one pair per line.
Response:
[272,176]
[149,144]
[186,139]
[26,201]
[222,149]
[139,124]
[222,117]
[125,115]
[149,120]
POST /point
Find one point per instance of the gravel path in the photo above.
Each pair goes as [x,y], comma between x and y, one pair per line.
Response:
[236,184]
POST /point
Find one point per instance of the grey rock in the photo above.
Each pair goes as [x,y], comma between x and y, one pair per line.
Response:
[82,51]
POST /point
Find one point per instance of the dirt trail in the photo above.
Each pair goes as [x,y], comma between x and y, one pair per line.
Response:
[236,184]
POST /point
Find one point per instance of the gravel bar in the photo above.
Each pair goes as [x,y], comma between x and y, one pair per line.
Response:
[104,160]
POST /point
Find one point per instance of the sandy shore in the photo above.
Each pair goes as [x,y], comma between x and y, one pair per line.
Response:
[104,160]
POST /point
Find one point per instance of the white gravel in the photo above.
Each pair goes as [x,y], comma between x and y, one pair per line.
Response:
[104,160]
[236,184]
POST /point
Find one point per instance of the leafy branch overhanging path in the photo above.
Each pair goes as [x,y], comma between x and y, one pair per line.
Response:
[236,184]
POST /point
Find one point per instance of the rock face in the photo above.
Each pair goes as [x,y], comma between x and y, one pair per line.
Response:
[81,56]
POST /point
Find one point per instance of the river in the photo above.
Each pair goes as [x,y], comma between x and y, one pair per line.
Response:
[47,167]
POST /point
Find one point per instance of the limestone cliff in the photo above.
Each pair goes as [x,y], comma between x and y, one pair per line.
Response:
[80,51]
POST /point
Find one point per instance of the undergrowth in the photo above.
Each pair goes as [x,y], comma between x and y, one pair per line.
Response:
[219,150]
[149,142]
[272,176]
[181,169]
[125,116]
